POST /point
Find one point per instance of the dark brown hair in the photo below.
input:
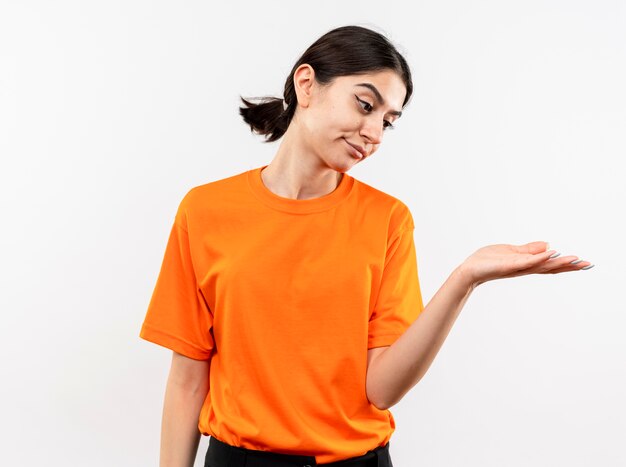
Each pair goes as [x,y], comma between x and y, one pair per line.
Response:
[346,50]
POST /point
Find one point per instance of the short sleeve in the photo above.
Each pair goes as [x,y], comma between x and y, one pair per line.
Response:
[399,300]
[178,316]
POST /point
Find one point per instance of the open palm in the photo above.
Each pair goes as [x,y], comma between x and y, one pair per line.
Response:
[499,261]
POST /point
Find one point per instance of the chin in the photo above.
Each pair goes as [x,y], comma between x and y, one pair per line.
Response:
[345,168]
[341,164]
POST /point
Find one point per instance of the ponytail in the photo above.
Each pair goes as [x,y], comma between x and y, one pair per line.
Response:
[269,117]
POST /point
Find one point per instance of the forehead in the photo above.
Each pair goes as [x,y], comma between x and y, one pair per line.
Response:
[388,83]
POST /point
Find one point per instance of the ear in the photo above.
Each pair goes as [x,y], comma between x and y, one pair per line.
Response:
[304,84]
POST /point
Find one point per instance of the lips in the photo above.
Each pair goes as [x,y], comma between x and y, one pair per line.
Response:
[358,151]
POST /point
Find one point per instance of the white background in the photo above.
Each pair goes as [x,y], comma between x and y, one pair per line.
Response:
[111,111]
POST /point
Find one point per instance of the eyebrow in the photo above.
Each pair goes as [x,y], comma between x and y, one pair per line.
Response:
[379,97]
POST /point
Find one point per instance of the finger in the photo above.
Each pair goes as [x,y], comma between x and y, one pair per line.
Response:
[551,266]
[566,268]
[530,263]
[542,257]
[539,247]
[540,262]
[565,264]
[533,247]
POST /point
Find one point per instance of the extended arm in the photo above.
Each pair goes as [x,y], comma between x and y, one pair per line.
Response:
[394,371]
[400,367]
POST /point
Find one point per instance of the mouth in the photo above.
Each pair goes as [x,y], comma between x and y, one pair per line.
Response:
[355,151]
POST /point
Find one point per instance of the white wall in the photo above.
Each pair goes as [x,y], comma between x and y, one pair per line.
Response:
[110,111]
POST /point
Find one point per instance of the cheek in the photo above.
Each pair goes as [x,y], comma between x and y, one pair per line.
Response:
[340,117]
[331,124]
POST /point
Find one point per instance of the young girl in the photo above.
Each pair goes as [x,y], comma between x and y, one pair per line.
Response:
[289,293]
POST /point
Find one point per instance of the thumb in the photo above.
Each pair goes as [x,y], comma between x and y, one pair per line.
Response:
[536,247]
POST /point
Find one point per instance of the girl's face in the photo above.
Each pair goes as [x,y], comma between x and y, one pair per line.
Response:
[354,110]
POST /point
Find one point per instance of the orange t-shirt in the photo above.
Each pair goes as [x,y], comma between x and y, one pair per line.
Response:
[285,297]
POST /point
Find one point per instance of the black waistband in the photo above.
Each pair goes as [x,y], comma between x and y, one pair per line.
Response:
[221,454]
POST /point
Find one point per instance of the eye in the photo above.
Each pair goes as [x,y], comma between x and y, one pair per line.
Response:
[389,126]
[386,124]
[366,103]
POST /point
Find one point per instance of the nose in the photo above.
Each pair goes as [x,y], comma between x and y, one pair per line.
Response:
[372,131]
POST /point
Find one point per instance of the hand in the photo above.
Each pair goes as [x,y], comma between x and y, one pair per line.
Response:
[500,261]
